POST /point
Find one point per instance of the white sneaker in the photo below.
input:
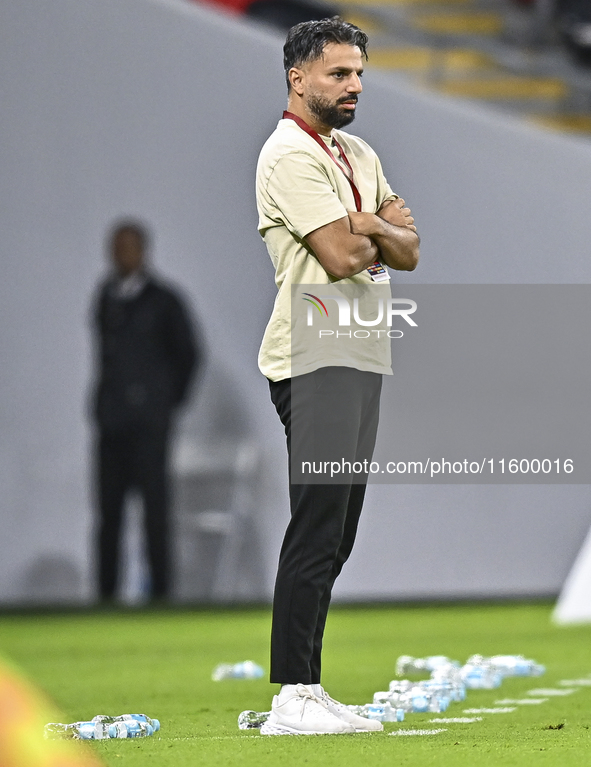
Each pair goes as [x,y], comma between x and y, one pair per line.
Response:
[359,723]
[297,711]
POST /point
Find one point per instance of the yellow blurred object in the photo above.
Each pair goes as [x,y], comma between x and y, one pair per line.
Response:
[568,123]
[360,20]
[24,712]
[506,88]
[459,23]
[417,58]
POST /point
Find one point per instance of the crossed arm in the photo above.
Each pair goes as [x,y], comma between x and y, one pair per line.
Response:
[349,245]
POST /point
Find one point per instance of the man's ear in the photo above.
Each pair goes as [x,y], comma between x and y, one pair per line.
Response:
[296,80]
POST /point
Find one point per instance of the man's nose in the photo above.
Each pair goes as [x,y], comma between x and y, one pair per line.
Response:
[354,84]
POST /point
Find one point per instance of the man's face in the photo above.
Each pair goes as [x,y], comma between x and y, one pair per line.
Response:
[128,254]
[331,84]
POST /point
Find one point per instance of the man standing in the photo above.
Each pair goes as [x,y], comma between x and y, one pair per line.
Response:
[147,358]
[328,217]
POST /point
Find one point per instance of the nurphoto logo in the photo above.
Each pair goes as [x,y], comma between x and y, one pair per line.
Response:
[348,313]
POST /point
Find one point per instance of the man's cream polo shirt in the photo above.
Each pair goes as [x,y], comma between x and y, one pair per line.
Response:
[299,189]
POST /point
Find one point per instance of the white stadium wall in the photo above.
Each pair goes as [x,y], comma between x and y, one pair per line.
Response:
[574,602]
[157,109]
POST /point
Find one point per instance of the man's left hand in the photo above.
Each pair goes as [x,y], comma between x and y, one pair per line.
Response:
[396,213]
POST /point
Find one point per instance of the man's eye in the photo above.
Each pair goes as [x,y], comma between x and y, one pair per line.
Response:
[338,74]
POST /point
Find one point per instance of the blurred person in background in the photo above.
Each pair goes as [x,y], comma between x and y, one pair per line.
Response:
[147,358]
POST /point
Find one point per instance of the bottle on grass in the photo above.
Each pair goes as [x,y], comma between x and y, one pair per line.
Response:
[77,731]
[154,723]
[252,720]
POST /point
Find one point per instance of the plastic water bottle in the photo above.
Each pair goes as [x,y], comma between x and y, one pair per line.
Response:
[252,720]
[420,701]
[418,697]
[410,698]
[451,677]
[154,723]
[130,728]
[397,696]
[400,685]
[247,669]
[405,694]
[77,731]
[406,664]
[59,731]
[394,714]
[480,675]
[510,665]
[439,694]
[376,712]
[381,697]
[382,712]
[385,713]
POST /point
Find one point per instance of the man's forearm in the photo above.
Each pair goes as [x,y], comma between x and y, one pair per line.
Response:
[398,246]
[341,251]
[364,253]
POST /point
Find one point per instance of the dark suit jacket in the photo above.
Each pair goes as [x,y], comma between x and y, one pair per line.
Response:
[147,357]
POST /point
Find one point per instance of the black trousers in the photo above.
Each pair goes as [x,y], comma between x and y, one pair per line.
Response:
[134,459]
[324,517]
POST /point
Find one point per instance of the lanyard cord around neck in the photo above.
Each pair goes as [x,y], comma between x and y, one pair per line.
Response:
[349,176]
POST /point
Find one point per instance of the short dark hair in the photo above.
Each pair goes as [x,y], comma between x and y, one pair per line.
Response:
[305,41]
[139,229]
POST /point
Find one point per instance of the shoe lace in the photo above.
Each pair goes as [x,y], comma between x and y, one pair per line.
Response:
[307,695]
[326,698]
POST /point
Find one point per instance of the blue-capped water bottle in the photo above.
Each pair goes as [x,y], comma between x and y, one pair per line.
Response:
[154,723]
[438,693]
[375,711]
[381,712]
[480,675]
[420,701]
[510,665]
[451,677]
[389,712]
[394,714]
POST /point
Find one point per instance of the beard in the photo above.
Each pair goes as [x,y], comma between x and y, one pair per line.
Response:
[329,113]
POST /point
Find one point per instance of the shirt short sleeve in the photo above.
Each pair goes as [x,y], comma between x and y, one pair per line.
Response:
[301,191]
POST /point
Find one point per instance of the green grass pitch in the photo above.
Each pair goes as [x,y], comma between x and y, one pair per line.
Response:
[160,663]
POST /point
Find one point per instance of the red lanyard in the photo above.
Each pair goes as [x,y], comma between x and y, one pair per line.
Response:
[348,175]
